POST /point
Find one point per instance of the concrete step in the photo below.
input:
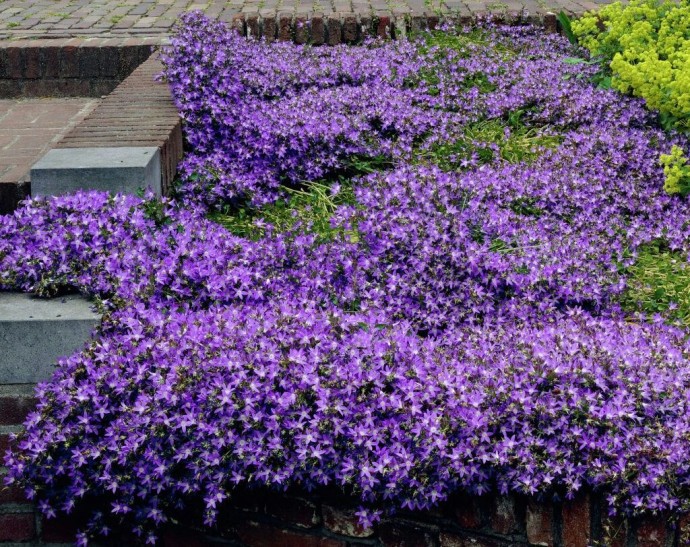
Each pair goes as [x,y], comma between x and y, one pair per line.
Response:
[125,169]
[36,332]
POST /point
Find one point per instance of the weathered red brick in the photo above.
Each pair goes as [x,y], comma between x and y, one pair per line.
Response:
[417,23]
[344,522]
[653,532]
[505,515]
[684,525]
[238,24]
[467,511]
[59,530]
[17,527]
[432,21]
[11,494]
[40,88]
[350,29]
[102,87]
[69,59]
[366,26]
[318,30]
[50,60]
[256,534]
[301,30]
[10,88]
[253,27]
[270,28]
[4,444]
[577,522]
[297,511]
[4,64]
[539,523]
[15,62]
[284,27]
[109,59]
[32,63]
[550,23]
[383,27]
[13,410]
[334,30]
[89,60]
[394,533]
[615,531]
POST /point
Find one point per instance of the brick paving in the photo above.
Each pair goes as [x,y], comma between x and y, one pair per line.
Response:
[154,18]
[31,127]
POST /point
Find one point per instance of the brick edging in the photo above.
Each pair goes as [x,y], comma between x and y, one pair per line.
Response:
[350,28]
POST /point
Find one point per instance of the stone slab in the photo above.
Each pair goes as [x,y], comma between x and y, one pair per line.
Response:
[35,332]
[125,169]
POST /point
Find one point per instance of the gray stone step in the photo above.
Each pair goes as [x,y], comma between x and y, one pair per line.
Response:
[35,332]
[125,169]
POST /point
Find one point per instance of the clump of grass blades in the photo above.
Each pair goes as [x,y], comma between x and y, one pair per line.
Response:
[310,206]
[489,139]
[659,283]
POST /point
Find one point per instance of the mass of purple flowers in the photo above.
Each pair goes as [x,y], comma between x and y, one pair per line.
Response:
[459,329]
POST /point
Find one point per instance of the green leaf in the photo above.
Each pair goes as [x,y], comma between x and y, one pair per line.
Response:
[604,83]
[564,21]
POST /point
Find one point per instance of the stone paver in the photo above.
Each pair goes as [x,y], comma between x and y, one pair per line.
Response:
[31,127]
[79,18]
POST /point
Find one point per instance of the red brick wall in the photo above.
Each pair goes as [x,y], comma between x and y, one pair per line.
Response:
[71,67]
[269,519]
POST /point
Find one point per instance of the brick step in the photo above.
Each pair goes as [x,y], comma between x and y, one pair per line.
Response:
[138,113]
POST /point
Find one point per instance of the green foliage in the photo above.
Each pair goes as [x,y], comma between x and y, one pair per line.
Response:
[647,46]
[659,283]
[508,139]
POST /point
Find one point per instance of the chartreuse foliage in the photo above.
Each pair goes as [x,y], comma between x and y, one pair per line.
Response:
[677,171]
[405,303]
[648,46]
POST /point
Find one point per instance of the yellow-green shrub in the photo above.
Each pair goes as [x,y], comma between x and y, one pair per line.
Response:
[648,46]
[676,171]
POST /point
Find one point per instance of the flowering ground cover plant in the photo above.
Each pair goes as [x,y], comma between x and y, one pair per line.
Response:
[402,269]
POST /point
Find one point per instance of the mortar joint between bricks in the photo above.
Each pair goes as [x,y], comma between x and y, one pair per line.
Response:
[16,508]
